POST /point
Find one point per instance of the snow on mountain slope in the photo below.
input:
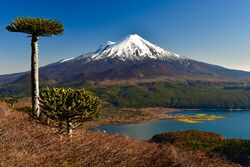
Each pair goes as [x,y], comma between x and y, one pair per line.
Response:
[104,46]
[132,57]
[132,47]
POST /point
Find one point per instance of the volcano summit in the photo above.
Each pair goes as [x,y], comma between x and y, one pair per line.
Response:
[131,57]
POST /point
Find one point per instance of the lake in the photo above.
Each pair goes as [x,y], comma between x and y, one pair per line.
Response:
[235,125]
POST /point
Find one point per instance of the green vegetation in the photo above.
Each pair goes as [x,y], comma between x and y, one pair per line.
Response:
[188,94]
[25,109]
[235,150]
[36,26]
[176,95]
[10,91]
[197,118]
[114,112]
[69,106]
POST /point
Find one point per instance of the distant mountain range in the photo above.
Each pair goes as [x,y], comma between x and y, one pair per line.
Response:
[132,57]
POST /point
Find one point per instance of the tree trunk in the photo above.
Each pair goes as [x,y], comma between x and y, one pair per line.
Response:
[35,76]
[69,128]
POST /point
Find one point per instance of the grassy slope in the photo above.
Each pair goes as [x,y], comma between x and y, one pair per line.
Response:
[24,142]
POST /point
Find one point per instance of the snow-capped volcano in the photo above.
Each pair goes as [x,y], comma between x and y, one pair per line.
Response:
[132,47]
[132,57]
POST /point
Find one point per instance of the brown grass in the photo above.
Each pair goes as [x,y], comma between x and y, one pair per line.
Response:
[25,142]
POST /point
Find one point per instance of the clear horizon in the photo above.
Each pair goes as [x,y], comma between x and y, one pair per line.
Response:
[211,31]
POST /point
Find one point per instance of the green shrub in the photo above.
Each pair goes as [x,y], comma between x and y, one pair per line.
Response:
[69,105]
[191,139]
[25,109]
[235,150]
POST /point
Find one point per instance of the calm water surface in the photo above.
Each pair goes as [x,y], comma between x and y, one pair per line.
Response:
[235,125]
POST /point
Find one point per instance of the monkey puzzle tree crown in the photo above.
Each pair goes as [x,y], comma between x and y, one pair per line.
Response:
[36,26]
[66,105]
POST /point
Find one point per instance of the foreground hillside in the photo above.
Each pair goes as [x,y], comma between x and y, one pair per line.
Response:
[25,142]
[235,150]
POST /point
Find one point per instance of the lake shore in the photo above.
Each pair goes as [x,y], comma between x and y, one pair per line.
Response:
[151,114]
[146,115]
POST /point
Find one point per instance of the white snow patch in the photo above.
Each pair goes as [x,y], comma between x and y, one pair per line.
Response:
[65,60]
[132,47]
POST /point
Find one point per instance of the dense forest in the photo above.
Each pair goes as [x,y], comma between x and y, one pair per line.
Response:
[188,94]
[178,95]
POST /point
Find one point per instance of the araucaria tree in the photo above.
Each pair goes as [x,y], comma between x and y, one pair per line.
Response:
[67,106]
[36,27]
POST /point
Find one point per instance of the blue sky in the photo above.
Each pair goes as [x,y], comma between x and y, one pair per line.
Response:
[213,31]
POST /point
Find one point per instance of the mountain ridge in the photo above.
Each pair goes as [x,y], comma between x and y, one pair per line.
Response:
[131,57]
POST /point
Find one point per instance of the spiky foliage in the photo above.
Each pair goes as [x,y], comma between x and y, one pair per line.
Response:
[69,105]
[36,26]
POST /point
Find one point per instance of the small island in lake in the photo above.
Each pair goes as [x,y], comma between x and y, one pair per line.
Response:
[197,118]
